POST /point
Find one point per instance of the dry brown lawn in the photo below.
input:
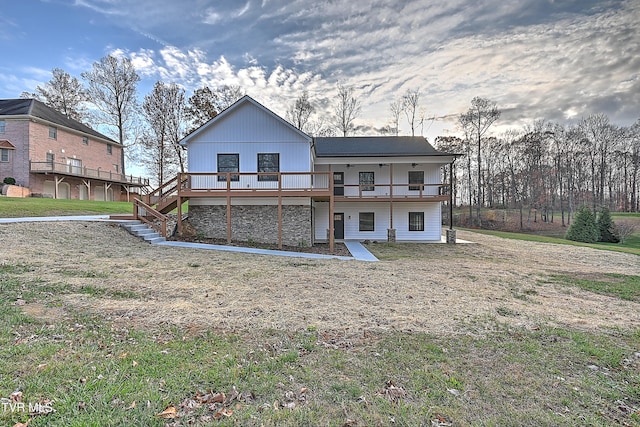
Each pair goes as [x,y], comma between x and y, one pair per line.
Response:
[435,288]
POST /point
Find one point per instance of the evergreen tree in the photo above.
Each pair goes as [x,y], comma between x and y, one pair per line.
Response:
[606,227]
[584,227]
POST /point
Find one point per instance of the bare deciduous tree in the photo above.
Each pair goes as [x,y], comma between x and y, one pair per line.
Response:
[347,109]
[301,111]
[163,109]
[206,103]
[62,93]
[476,121]
[410,105]
[112,88]
[396,110]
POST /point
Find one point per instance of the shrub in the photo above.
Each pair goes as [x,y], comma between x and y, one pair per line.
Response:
[606,227]
[9,181]
[584,227]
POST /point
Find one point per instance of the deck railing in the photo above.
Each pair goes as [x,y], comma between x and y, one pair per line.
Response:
[150,216]
[367,191]
[85,172]
[239,182]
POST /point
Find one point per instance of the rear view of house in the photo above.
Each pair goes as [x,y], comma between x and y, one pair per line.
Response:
[54,156]
[253,176]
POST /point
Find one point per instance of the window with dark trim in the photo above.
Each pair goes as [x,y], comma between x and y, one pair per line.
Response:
[85,140]
[228,163]
[3,126]
[367,221]
[109,149]
[268,162]
[367,179]
[4,154]
[416,221]
[50,158]
[53,132]
[416,177]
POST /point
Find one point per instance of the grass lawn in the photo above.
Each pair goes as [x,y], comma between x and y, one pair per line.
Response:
[631,245]
[12,207]
[92,371]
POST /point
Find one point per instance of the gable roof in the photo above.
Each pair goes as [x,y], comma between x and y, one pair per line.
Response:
[234,107]
[375,146]
[37,109]
[4,143]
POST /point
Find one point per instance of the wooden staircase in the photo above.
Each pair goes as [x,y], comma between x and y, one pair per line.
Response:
[151,208]
[164,199]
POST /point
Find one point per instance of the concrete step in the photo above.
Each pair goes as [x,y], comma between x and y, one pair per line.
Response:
[143,231]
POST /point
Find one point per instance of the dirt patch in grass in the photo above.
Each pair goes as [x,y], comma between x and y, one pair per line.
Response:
[435,288]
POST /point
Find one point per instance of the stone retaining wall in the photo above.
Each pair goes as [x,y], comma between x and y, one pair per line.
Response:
[254,223]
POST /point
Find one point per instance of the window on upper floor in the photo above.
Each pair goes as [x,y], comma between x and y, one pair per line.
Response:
[3,126]
[416,221]
[4,154]
[85,140]
[53,132]
[109,149]
[367,221]
[50,157]
[416,177]
[268,162]
[228,163]
[367,179]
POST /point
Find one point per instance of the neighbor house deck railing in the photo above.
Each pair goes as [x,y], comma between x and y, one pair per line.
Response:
[84,172]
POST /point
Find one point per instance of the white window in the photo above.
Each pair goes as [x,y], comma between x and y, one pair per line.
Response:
[53,132]
[367,221]
[4,155]
[367,179]
[268,162]
[228,163]
[416,178]
[3,126]
[416,221]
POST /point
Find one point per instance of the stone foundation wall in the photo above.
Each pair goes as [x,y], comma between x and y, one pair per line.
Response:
[254,223]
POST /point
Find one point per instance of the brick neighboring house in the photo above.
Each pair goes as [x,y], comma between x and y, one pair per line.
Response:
[55,156]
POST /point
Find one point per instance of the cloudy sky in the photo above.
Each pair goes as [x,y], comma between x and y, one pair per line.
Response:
[554,59]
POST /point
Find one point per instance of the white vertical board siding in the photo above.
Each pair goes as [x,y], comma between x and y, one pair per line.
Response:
[248,131]
[432,221]
[352,179]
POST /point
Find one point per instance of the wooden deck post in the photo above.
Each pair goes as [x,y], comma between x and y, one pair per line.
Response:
[228,208]
[331,210]
[279,210]
[391,195]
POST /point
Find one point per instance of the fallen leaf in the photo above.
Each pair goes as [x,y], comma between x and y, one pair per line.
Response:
[224,412]
[123,355]
[22,424]
[16,396]
[134,364]
[169,412]
[133,405]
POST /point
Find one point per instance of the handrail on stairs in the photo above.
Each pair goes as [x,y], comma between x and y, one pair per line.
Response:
[143,212]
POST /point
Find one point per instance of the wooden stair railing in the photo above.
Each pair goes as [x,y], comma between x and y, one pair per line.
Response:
[164,198]
[145,213]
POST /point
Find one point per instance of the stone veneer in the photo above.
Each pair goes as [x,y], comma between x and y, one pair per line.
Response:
[257,223]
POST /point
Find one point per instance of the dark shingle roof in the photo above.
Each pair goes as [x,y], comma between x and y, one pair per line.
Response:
[375,146]
[35,108]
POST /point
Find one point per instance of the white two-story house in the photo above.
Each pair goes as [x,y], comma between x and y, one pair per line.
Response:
[255,177]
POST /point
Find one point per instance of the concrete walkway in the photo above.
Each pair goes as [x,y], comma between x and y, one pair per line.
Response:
[358,252]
